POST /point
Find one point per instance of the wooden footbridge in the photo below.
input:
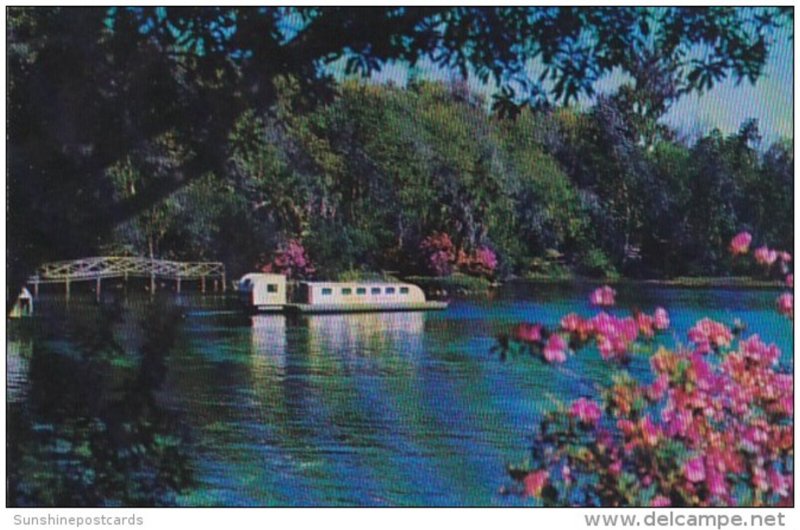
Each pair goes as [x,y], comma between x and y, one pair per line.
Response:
[103,267]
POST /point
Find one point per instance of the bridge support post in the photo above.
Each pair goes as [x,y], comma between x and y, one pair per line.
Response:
[66,287]
[202,284]
[36,289]
[98,289]
[224,284]
[178,285]
[152,284]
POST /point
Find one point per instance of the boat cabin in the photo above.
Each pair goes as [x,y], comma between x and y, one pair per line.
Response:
[359,293]
[263,290]
[272,293]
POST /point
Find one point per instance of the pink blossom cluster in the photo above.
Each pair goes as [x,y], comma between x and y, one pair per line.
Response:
[586,411]
[441,257]
[708,431]
[786,304]
[614,335]
[552,347]
[603,296]
[740,244]
[713,427]
[439,252]
[555,349]
[766,257]
[482,262]
[292,260]
[708,334]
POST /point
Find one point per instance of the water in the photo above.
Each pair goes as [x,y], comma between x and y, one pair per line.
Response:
[139,403]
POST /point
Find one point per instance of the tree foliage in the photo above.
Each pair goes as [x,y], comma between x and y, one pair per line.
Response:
[244,98]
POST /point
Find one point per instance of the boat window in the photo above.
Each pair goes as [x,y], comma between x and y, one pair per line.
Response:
[376,290]
[326,291]
[404,290]
[272,287]
[347,290]
[390,290]
[361,290]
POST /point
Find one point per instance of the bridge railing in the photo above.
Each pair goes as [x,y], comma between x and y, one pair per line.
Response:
[101,267]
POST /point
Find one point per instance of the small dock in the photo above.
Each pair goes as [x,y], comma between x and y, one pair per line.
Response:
[100,268]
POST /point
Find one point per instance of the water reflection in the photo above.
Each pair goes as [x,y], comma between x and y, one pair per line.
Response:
[268,339]
[135,404]
[18,354]
[90,431]
[360,333]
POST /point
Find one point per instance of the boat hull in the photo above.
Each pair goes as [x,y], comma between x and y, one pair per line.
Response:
[352,308]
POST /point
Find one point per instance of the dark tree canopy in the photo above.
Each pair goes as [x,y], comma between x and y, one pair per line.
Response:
[89,87]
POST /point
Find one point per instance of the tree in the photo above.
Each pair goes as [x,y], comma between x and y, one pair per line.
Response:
[196,70]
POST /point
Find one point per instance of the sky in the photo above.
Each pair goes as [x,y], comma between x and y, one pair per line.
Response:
[724,107]
[727,105]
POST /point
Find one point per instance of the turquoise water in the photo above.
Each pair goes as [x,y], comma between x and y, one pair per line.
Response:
[363,409]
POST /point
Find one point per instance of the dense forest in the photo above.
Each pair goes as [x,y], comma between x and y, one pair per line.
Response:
[144,132]
[364,182]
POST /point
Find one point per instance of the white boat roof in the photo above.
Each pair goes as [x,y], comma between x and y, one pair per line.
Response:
[359,282]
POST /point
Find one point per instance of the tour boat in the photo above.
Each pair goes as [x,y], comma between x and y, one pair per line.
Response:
[266,292]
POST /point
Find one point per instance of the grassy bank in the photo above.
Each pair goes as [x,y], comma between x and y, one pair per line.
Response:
[463,284]
[696,282]
[454,284]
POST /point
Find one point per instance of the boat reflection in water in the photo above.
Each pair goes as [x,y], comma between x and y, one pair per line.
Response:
[322,393]
[341,333]
[268,339]
[364,333]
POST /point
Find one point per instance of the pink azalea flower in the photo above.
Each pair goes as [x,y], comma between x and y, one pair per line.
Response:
[571,322]
[765,256]
[717,484]
[760,478]
[660,501]
[785,256]
[679,422]
[628,329]
[291,259]
[703,375]
[786,304]
[659,387]
[535,481]
[740,244]
[754,348]
[707,332]
[586,411]
[694,469]
[555,351]
[645,323]
[485,260]
[753,438]
[603,296]
[778,483]
[605,346]
[626,426]
[527,333]
[651,433]
[661,319]
[790,281]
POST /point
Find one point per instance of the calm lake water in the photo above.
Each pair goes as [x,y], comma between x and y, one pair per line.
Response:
[170,402]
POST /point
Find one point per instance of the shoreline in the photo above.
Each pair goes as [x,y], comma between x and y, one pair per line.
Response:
[704,282]
[686,282]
